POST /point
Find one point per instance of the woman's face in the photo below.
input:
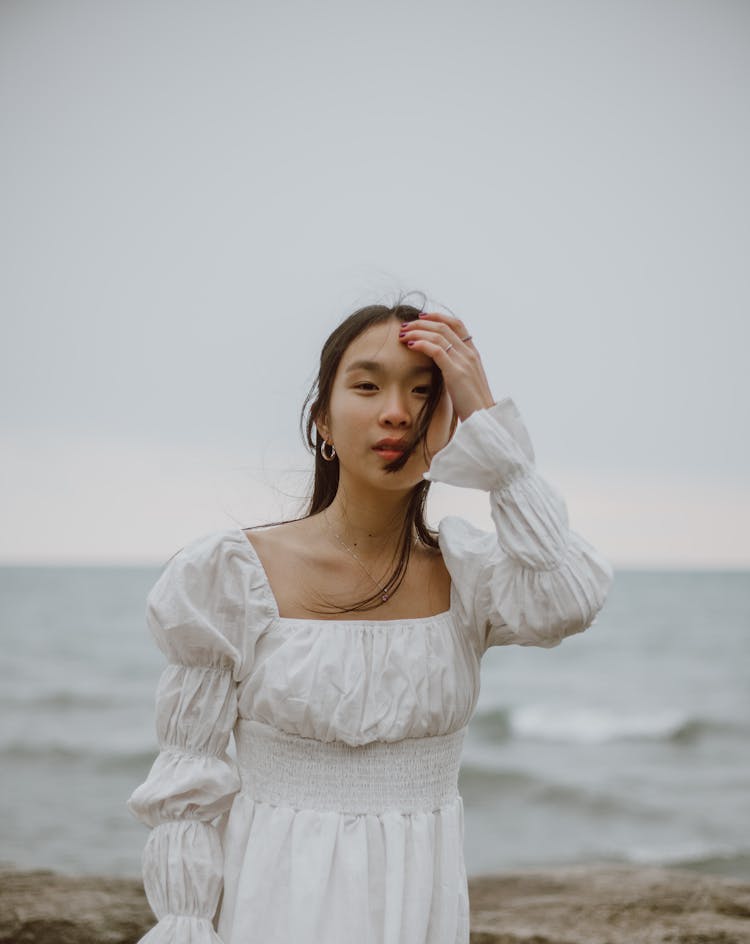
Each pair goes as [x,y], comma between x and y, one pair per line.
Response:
[379,388]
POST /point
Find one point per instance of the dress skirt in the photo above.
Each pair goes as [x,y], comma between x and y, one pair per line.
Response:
[327,842]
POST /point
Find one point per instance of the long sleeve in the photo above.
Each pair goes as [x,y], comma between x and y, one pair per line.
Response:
[533,581]
[196,607]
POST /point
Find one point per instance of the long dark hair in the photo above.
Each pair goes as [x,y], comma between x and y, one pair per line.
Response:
[326,474]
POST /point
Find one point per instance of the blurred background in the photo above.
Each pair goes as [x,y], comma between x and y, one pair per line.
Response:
[195,194]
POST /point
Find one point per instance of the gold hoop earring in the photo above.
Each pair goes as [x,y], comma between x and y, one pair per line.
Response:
[332,456]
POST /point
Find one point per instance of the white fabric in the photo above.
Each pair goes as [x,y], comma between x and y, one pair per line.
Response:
[411,775]
[341,819]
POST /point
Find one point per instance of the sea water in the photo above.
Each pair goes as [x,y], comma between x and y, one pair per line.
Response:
[627,743]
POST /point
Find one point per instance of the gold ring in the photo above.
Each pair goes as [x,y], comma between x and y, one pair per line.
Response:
[467,338]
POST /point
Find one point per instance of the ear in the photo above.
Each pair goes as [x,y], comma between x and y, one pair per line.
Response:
[323,430]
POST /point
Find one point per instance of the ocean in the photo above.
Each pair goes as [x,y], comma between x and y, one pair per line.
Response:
[627,743]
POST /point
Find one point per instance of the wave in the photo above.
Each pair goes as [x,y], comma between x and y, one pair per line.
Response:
[480,785]
[478,777]
[598,726]
[54,753]
[721,858]
[61,701]
[494,723]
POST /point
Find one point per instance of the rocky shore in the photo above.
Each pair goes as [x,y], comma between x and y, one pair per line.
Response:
[572,905]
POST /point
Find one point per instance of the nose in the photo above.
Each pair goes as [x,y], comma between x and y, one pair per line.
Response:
[395,412]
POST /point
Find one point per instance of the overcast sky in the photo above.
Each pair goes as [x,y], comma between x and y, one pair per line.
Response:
[195,194]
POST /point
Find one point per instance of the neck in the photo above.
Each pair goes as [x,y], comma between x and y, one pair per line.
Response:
[368,527]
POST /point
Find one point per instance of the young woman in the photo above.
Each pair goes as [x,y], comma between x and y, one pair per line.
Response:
[342,649]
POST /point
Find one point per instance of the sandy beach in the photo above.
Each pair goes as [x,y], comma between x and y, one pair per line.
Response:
[572,905]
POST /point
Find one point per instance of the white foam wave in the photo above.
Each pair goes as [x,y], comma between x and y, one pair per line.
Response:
[587,725]
[681,853]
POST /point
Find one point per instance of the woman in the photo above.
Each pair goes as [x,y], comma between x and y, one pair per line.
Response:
[343,651]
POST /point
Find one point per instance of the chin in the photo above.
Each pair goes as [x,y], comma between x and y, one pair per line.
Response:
[402,481]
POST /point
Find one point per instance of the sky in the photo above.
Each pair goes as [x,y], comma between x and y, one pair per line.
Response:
[195,194]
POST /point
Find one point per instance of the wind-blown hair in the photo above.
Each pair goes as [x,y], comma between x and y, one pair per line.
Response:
[326,474]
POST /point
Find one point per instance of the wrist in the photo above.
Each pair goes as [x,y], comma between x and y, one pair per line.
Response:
[485,404]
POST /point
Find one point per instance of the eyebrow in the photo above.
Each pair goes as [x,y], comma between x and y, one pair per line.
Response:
[377,367]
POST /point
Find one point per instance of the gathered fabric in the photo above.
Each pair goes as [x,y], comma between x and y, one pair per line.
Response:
[339,817]
[410,775]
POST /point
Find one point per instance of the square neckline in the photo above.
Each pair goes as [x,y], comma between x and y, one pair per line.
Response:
[413,620]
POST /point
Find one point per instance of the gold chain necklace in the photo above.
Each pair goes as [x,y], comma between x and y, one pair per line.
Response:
[383,593]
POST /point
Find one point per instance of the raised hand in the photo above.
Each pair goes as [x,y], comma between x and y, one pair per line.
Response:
[446,340]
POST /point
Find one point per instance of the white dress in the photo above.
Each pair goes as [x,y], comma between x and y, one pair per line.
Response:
[340,819]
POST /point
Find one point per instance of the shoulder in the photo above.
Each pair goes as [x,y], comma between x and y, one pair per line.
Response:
[208,567]
[429,576]
[280,549]
[466,550]
[206,596]
[459,537]
[208,548]
[286,538]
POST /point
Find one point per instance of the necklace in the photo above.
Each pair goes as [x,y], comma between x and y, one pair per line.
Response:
[383,593]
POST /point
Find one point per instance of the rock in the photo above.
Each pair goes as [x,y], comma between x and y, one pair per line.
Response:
[50,908]
[604,904]
[570,905]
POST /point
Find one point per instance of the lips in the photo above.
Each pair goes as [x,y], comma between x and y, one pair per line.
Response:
[389,453]
[390,448]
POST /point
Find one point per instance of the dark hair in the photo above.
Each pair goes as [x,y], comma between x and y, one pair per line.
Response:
[326,474]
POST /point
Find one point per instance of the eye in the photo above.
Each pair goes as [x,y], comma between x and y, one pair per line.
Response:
[425,389]
[365,383]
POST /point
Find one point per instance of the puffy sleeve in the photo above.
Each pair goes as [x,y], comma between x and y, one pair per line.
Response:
[196,613]
[533,581]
